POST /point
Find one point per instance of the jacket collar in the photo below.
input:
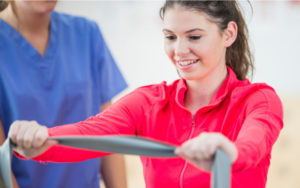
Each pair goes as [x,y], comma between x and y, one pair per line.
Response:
[230,82]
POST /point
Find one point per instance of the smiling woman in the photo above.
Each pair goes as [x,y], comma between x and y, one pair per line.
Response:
[219,18]
[197,47]
[213,105]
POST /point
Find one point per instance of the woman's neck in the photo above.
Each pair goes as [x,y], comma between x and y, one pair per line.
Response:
[32,26]
[25,21]
[201,92]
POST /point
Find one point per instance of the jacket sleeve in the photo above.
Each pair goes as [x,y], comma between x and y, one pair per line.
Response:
[260,130]
[121,118]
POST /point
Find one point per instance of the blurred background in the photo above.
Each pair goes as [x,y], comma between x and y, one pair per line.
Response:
[132,30]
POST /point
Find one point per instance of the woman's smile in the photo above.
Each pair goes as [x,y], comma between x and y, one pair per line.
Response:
[187,64]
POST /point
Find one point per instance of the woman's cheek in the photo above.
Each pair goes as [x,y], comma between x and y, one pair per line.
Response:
[169,52]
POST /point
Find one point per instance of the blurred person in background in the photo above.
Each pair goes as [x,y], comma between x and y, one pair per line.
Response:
[213,105]
[55,68]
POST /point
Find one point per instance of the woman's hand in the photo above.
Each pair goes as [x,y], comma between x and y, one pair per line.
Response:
[30,138]
[200,150]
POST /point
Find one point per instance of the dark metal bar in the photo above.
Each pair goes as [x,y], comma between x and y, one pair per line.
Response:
[120,144]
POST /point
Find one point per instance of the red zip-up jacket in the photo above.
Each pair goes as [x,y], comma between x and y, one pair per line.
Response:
[250,115]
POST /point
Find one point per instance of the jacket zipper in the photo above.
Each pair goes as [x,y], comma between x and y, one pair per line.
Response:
[186,162]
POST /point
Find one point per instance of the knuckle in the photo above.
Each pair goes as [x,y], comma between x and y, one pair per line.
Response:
[17,122]
[23,122]
[35,123]
[27,143]
[19,140]
[13,135]
[39,138]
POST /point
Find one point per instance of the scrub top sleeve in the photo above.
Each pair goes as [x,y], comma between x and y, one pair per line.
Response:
[264,120]
[110,79]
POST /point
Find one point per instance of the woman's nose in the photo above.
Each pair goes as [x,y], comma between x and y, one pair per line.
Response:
[181,48]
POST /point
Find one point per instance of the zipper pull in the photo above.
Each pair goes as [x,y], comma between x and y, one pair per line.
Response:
[193,120]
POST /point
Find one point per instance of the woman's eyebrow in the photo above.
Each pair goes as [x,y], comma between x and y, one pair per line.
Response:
[195,29]
[167,30]
[189,31]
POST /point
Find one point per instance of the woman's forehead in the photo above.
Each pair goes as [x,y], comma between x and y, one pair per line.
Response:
[185,18]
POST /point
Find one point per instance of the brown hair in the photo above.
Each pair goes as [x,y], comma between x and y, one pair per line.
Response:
[3,4]
[238,56]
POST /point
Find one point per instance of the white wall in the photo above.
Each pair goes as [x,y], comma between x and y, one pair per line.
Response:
[133,32]
[275,32]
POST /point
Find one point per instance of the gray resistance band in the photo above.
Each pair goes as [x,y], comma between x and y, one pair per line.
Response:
[124,145]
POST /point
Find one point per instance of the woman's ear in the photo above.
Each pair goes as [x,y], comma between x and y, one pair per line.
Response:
[230,33]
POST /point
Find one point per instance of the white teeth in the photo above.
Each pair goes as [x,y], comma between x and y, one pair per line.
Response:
[185,63]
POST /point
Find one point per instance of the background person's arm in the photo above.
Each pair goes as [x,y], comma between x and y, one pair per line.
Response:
[2,139]
[113,169]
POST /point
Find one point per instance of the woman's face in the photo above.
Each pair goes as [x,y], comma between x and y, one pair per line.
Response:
[194,44]
[36,6]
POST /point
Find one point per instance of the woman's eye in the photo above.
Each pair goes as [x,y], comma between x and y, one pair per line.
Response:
[170,37]
[197,37]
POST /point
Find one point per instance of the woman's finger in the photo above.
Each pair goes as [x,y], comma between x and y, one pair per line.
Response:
[28,137]
[40,136]
[13,131]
